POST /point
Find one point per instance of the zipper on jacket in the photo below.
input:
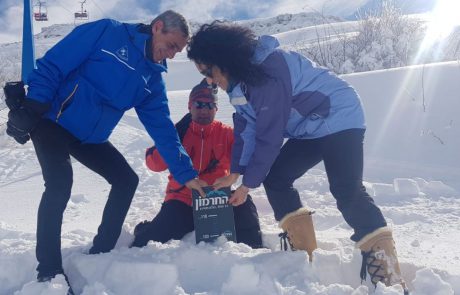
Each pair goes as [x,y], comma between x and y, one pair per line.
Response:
[202,148]
[65,101]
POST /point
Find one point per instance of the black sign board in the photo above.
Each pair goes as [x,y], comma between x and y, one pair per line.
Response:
[213,215]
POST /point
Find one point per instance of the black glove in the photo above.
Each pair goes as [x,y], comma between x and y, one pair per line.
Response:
[18,134]
[14,94]
[20,123]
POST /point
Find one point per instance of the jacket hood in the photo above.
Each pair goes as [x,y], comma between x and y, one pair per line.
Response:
[266,46]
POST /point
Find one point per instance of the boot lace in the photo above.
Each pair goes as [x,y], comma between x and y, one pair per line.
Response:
[372,266]
[284,240]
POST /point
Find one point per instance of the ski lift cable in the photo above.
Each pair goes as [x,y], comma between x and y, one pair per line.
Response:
[98,7]
[40,4]
[62,6]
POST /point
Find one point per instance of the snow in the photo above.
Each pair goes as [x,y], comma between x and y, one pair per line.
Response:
[411,169]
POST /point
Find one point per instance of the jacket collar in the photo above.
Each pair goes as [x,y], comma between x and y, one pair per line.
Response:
[206,129]
[238,94]
[141,38]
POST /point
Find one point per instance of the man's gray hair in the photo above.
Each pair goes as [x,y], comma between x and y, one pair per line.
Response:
[173,21]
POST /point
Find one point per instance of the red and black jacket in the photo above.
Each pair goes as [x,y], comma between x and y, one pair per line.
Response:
[209,147]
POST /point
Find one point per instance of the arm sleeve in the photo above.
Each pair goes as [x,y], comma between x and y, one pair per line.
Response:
[63,58]
[226,138]
[272,107]
[154,115]
[239,145]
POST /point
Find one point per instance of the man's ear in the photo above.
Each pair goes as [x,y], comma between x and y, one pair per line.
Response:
[157,26]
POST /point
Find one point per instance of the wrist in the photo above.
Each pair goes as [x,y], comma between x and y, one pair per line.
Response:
[234,176]
[244,188]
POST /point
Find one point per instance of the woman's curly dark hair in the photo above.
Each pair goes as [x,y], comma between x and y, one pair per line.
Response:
[229,47]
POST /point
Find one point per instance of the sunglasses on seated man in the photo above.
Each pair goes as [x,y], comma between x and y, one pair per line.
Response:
[201,104]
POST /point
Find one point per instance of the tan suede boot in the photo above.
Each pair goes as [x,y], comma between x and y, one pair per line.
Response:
[299,230]
[380,258]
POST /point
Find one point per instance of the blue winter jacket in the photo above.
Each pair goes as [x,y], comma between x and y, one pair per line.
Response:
[299,100]
[95,74]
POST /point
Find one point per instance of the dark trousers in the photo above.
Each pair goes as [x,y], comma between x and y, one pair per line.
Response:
[53,146]
[175,220]
[342,154]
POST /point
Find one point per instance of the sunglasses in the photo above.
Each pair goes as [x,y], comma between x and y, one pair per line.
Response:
[200,105]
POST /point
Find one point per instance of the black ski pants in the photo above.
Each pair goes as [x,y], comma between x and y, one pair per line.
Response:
[54,145]
[342,154]
[175,220]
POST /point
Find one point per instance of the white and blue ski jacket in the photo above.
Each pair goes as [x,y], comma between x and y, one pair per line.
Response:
[300,100]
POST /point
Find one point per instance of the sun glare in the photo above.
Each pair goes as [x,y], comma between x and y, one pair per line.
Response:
[441,22]
[443,19]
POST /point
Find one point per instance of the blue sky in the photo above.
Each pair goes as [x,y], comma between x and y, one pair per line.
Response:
[61,11]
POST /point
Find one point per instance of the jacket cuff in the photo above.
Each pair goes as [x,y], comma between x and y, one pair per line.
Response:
[36,106]
[184,177]
[238,169]
[249,183]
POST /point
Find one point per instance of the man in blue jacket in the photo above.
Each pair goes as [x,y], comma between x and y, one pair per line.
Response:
[76,96]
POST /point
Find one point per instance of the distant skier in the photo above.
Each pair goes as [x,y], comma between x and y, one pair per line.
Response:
[209,144]
[76,96]
[281,94]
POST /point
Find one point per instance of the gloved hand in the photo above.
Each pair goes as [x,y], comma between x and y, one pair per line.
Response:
[22,120]
[15,94]
[20,123]
[19,135]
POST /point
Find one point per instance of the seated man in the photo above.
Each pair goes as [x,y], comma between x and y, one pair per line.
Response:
[208,143]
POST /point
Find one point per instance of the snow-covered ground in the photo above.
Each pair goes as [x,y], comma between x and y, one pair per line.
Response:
[412,168]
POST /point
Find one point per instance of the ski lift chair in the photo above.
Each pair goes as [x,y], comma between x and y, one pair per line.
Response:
[81,15]
[40,11]
[40,16]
